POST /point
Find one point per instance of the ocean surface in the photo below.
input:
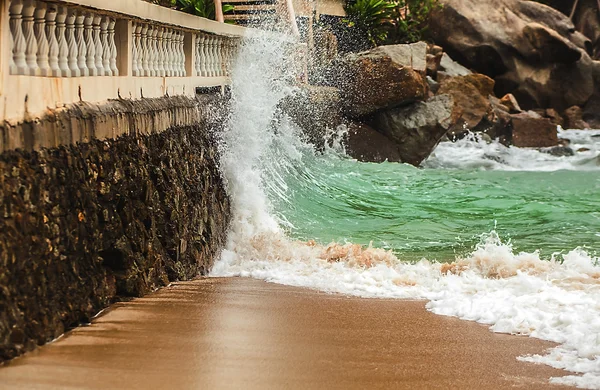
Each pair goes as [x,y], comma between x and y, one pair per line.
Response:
[503,236]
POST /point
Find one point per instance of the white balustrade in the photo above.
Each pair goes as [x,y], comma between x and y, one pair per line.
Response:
[60,41]
[56,39]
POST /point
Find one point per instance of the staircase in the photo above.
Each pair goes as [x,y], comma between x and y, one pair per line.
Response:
[265,14]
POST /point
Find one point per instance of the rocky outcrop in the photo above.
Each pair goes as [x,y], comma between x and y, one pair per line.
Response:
[471,103]
[87,223]
[383,78]
[417,129]
[530,130]
[586,19]
[530,49]
[368,145]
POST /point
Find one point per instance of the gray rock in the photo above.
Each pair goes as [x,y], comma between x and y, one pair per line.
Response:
[418,128]
[559,151]
[452,68]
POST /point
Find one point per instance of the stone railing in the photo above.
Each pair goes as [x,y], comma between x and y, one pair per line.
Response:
[59,52]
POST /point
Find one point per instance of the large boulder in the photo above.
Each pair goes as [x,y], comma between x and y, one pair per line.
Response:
[418,128]
[368,145]
[530,130]
[470,96]
[383,78]
[532,51]
[586,19]
[573,117]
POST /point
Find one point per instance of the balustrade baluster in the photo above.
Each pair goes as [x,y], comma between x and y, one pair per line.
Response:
[39,29]
[207,49]
[113,47]
[19,65]
[215,52]
[98,45]
[213,56]
[182,54]
[81,45]
[63,47]
[73,56]
[135,56]
[105,46]
[177,53]
[197,56]
[203,72]
[144,47]
[165,47]
[151,51]
[177,69]
[170,48]
[222,56]
[30,41]
[155,53]
[90,54]
[217,62]
[161,52]
[51,15]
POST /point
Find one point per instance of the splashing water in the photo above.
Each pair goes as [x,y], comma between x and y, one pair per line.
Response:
[334,224]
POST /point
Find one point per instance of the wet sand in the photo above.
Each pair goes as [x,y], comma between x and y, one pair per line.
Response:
[247,334]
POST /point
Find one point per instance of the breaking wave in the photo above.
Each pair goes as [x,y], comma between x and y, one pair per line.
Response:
[288,203]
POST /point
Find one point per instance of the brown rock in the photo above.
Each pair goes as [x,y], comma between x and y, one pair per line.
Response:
[549,46]
[510,102]
[433,65]
[554,117]
[529,48]
[435,50]
[417,128]
[366,144]
[529,131]
[574,118]
[382,78]
[469,102]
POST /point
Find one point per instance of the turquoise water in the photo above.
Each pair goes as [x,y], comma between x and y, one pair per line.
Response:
[440,213]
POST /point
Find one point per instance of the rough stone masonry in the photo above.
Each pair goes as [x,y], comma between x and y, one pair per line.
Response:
[85,224]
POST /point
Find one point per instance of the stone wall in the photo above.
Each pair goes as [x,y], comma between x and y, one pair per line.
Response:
[85,224]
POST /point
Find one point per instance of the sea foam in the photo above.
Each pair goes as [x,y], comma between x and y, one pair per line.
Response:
[517,293]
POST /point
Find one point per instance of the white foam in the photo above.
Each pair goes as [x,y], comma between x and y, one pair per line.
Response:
[556,300]
[473,152]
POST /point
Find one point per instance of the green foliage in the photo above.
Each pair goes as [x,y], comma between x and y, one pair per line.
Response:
[371,18]
[390,21]
[411,19]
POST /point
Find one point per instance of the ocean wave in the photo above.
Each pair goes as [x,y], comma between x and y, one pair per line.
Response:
[271,174]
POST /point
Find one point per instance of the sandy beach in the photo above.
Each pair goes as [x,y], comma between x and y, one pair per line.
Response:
[246,334]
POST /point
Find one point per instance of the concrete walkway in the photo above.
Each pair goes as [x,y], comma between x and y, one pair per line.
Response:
[247,334]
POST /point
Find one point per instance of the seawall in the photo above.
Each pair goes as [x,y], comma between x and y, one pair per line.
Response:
[104,201]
